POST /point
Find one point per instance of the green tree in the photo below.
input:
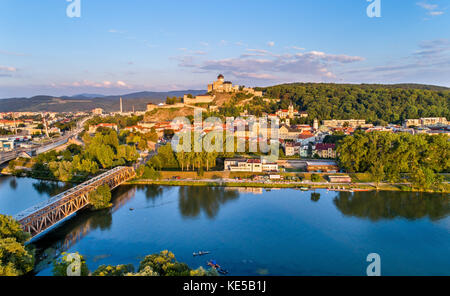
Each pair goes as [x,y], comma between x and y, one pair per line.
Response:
[70,264]
[101,197]
[15,258]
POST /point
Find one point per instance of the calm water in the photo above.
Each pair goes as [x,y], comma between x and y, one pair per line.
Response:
[278,232]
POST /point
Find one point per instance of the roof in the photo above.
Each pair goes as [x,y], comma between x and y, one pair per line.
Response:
[325,146]
[321,163]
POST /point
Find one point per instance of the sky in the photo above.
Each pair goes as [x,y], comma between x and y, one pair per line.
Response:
[118,47]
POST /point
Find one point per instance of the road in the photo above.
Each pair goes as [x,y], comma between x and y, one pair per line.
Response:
[10,155]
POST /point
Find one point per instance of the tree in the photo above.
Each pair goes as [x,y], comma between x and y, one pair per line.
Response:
[315,178]
[70,264]
[101,197]
[15,258]
[165,264]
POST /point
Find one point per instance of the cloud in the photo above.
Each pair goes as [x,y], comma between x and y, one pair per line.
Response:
[432,9]
[261,64]
[271,44]
[92,84]
[7,69]
[260,76]
[11,53]
[295,47]
[114,31]
[431,63]
[433,49]
[434,13]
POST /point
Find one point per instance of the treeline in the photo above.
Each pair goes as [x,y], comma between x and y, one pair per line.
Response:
[375,103]
[391,156]
[167,159]
[121,121]
[160,264]
[76,163]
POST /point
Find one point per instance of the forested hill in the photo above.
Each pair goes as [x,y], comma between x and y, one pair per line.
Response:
[373,102]
[87,102]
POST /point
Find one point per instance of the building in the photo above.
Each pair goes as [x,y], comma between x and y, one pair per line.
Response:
[426,121]
[97,111]
[291,148]
[289,132]
[290,113]
[93,128]
[321,166]
[344,123]
[206,99]
[325,150]
[339,178]
[249,165]
[220,85]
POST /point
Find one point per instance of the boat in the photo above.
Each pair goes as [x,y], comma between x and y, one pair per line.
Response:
[201,253]
[304,188]
[217,267]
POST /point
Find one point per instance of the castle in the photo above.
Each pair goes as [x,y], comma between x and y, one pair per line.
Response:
[220,85]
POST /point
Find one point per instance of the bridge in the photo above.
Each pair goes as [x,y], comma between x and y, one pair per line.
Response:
[42,216]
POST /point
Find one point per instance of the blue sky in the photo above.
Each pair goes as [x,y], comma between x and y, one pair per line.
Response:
[119,47]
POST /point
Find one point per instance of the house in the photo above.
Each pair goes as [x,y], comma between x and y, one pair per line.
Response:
[325,150]
[426,121]
[344,123]
[305,138]
[321,166]
[340,178]
[289,133]
[249,165]
[292,148]
[97,111]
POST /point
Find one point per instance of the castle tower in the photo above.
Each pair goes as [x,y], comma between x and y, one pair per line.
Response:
[220,78]
[121,106]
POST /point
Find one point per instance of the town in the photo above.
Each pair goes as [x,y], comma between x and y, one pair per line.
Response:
[303,148]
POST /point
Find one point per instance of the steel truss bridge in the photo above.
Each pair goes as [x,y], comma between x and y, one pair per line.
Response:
[42,216]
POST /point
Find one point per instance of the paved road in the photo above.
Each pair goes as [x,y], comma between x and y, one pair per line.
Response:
[7,156]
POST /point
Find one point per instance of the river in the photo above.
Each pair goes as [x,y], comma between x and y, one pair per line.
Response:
[253,232]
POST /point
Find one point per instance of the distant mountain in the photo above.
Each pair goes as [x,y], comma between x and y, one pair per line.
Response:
[87,102]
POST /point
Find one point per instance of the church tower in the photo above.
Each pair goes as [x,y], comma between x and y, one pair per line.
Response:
[291,111]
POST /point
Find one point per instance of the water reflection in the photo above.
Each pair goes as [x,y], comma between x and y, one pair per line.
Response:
[72,231]
[389,205]
[13,184]
[194,200]
[50,188]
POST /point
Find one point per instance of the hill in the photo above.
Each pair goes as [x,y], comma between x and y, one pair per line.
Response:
[374,102]
[86,102]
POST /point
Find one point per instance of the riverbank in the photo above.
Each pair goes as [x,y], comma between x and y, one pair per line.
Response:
[298,185]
